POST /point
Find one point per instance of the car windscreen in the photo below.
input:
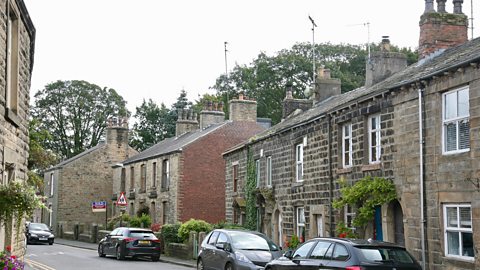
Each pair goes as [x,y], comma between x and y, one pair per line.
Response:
[38,227]
[142,234]
[250,241]
[387,255]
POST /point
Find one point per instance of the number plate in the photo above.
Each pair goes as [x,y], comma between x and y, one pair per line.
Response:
[42,238]
[144,242]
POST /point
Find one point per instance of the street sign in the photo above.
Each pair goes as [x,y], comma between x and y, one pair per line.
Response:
[100,206]
[122,201]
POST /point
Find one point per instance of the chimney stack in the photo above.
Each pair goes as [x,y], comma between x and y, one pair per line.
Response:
[290,104]
[242,109]
[440,29]
[383,64]
[212,113]
[326,86]
[117,131]
[186,121]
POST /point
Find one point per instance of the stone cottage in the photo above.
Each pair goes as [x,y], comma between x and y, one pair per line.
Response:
[17,44]
[417,126]
[72,185]
[183,177]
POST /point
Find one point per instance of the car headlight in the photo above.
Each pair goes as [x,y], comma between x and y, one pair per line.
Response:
[33,235]
[241,257]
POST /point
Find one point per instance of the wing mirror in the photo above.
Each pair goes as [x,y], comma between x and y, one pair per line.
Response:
[288,254]
[224,246]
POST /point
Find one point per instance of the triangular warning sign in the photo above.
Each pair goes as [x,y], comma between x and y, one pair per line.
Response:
[122,201]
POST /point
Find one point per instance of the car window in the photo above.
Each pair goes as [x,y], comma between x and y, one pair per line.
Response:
[38,227]
[114,232]
[340,253]
[329,253]
[320,249]
[385,254]
[213,238]
[222,238]
[303,250]
[248,241]
[141,234]
[121,232]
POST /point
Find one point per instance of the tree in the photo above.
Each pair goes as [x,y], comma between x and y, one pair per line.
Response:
[265,79]
[75,114]
[153,124]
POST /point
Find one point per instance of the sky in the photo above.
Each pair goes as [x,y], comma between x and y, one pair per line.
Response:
[152,49]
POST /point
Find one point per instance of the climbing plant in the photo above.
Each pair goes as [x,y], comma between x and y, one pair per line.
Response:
[365,194]
[250,191]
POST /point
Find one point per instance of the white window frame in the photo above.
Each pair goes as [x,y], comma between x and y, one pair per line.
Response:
[456,120]
[299,162]
[457,229]
[300,219]
[257,173]
[269,171]
[377,148]
[52,181]
[348,213]
[348,138]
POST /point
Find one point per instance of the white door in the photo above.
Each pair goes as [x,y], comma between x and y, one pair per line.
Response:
[319,225]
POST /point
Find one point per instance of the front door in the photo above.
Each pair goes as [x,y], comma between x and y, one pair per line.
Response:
[398,223]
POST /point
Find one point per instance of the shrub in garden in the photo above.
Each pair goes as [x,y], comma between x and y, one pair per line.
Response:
[193,225]
[170,233]
[9,262]
[145,221]
[156,227]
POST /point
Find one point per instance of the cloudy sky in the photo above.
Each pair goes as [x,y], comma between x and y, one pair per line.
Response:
[153,49]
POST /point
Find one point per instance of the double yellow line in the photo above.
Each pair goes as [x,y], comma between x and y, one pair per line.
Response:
[37,265]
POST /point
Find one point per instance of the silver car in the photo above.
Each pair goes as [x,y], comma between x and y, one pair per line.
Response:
[224,249]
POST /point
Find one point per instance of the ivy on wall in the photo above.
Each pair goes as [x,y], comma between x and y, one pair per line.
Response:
[250,193]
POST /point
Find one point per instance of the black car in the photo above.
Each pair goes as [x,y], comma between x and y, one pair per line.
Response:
[130,242]
[224,249]
[351,254]
[38,233]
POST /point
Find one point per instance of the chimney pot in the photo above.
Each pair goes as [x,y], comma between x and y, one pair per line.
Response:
[441,6]
[457,6]
[385,43]
[429,6]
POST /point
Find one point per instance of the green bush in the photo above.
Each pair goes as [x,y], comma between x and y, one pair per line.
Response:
[145,221]
[135,222]
[193,225]
[223,225]
[170,233]
[114,222]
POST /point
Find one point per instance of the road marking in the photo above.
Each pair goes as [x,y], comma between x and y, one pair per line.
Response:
[37,265]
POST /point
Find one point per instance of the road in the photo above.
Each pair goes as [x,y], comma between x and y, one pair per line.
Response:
[59,257]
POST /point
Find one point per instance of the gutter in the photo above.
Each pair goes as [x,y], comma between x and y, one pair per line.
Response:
[421,143]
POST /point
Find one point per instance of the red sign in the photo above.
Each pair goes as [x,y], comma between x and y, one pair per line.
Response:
[122,201]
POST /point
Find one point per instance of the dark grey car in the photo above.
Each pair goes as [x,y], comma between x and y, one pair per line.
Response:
[224,249]
[39,233]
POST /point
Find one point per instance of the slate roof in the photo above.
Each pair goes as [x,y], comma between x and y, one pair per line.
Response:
[84,153]
[449,59]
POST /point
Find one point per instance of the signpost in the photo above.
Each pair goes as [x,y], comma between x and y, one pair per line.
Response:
[100,206]
[122,204]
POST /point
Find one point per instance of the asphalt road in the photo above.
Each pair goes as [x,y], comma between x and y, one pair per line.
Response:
[59,257]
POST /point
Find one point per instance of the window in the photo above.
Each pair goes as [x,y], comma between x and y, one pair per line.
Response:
[213,238]
[235,178]
[154,174]
[52,182]
[222,238]
[164,212]
[458,231]
[349,215]
[257,172]
[300,223]
[143,177]
[165,174]
[302,251]
[340,253]
[132,177]
[50,215]
[132,209]
[269,171]
[374,147]
[320,249]
[299,162]
[347,145]
[12,63]
[122,180]
[456,121]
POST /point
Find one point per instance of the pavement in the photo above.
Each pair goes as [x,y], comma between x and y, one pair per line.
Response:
[92,246]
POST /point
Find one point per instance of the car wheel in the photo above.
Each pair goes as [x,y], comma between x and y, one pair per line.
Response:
[101,253]
[50,243]
[155,258]
[119,254]
[200,265]
[228,266]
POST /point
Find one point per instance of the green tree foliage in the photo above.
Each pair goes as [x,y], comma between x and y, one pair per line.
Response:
[365,195]
[153,124]
[250,194]
[193,225]
[265,79]
[170,233]
[75,113]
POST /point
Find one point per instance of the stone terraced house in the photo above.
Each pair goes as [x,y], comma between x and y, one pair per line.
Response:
[17,43]
[418,126]
[183,177]
[72,185]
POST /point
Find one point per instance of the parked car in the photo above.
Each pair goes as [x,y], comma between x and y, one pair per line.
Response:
[236,249]
[130,242]
[351,254]
[38,233]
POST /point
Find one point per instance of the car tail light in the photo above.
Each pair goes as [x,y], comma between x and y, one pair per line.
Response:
[156,240]
[353,268]
[129,239]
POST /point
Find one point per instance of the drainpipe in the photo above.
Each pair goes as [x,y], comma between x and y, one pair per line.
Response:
[330,174]
[421,145]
